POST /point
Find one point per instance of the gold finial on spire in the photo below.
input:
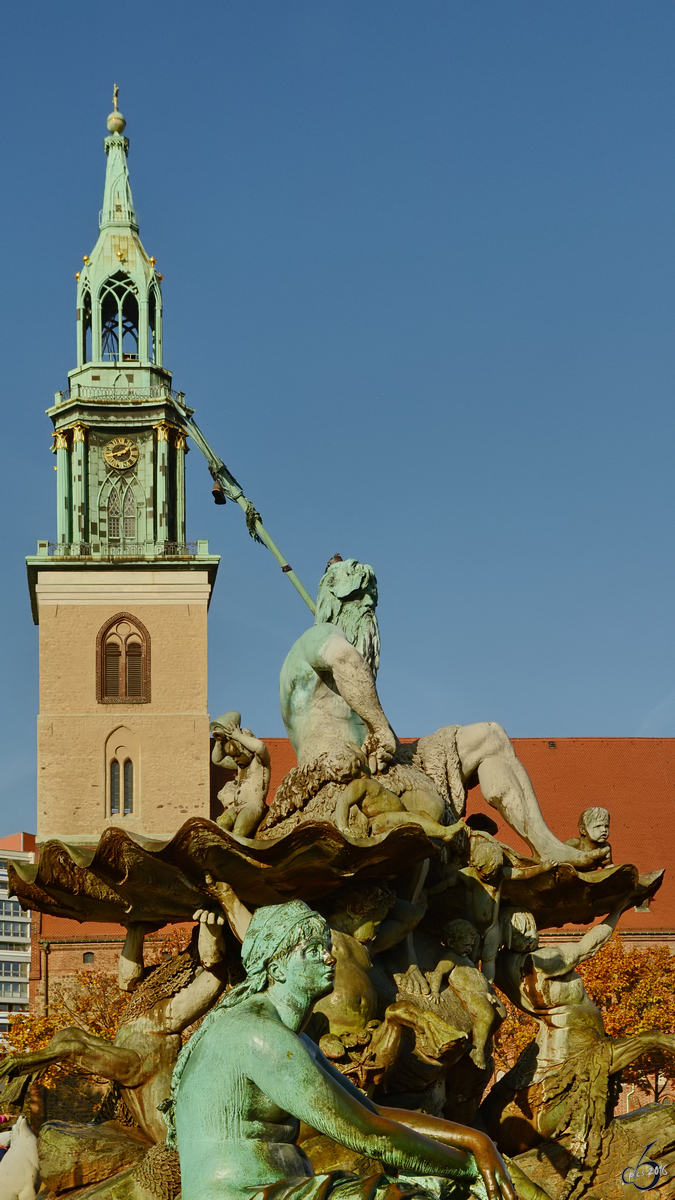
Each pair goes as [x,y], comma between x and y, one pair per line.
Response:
[116,122]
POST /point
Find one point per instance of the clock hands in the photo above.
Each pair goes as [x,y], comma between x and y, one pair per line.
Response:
[115,453]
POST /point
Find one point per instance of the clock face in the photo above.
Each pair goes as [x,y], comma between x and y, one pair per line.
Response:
[121,452]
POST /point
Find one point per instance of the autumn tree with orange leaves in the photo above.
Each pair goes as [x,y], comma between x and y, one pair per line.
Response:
[88,999]
[635,992]
[513,1035]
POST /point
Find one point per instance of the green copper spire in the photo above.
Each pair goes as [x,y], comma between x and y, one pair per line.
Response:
[119,297]
[118,206]
[119,440]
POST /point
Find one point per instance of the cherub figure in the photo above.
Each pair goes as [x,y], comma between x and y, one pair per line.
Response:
[486,1010]
[482,882]
[384,809]
[364,920]
[558,1087]
[243,798]
[593,834]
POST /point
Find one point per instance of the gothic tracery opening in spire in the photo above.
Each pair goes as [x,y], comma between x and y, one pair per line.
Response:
[85,327]
[119,319]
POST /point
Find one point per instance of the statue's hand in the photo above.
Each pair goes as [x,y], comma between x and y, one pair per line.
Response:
[210,946]
[379,748]
[435,979]
[207,916]
[412,981]
[219,891]
[492,1168]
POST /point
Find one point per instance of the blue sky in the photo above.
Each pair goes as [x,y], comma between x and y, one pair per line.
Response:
[419,273]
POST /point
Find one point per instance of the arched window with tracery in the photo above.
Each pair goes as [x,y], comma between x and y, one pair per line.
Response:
[121,513]
[123,673]
[119,319]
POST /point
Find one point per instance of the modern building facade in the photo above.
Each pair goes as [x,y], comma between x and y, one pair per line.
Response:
[120,595]
[15,934]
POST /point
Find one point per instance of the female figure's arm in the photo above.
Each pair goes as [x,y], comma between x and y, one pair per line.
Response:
[196,998]
[449,1133]
[238,916]
[488,1159]
[280,1065]
[130,968]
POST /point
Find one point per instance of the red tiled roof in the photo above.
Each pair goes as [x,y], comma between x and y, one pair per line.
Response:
[282,758]
[63,929]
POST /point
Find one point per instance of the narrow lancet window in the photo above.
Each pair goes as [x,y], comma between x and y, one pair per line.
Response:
[85,331]
[114,788]
[134,669]
[128,787]
[129,516]
[152,318]
[130,328]
[109,327]
[111,667]
[114,514]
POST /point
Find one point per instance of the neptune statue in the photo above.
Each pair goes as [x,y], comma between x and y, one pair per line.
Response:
[338,729]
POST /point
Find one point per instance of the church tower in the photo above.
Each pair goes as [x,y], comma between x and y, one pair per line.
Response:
[120,596]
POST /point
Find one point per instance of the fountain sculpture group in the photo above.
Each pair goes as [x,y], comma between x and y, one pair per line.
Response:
[354,939]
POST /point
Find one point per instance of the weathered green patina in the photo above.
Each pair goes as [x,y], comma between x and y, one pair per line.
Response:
[246,1079]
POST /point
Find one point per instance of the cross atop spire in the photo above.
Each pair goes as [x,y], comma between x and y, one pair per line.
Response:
[116,122]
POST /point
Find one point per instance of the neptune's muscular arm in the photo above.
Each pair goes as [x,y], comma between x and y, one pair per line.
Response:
[327,690]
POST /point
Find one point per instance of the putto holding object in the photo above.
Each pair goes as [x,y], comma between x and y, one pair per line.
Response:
[243,798]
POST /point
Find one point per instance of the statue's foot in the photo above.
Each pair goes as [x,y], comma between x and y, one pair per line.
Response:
[560,852]
[450,832]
